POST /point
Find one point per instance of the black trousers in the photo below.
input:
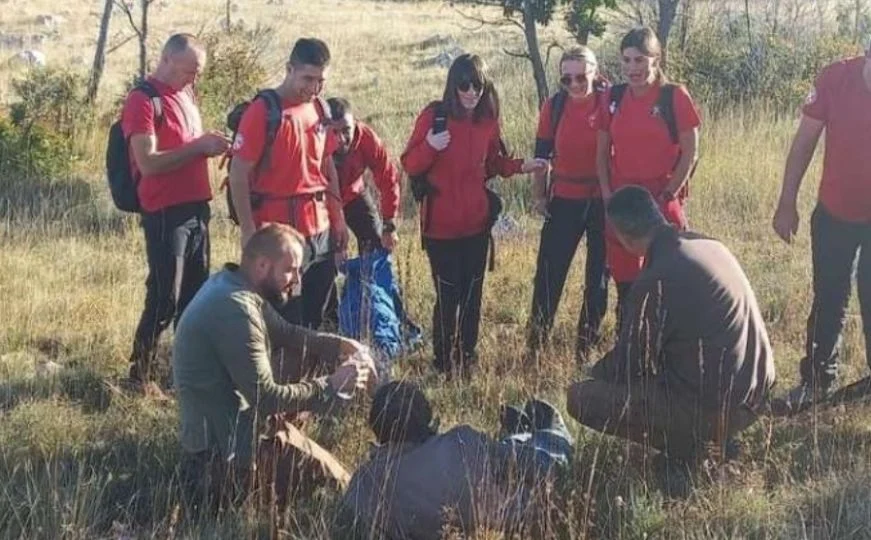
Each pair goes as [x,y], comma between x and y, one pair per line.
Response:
[317,304]
[457,267]
[835,246]
[177,250]
[568,222]
[364,221]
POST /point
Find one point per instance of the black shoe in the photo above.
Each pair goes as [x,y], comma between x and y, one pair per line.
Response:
[543,415]
[674,476]
[513,421]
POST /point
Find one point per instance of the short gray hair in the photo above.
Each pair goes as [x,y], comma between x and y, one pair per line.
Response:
[633,212]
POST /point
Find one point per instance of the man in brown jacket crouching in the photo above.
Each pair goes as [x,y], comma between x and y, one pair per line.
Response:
[692,362]
[243,375]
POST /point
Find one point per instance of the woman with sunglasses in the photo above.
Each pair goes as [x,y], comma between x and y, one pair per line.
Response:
[645,140]
[457,159]
[571,202]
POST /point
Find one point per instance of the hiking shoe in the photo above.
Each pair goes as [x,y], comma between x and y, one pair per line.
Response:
[674,476]
[513,421]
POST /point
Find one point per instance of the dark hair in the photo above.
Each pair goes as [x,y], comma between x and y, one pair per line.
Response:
[271,240]
[645,40]
[339,107]
[401,413]
[310,51]
[633,212]
[470,68]
[181,42]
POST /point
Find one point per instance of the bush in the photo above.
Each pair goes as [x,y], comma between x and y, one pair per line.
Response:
[235,69]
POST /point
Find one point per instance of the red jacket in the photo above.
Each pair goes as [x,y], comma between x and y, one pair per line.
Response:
[458,173]
[368,152]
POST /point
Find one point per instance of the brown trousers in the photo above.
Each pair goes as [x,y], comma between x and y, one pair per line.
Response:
[647,413]
[288,465]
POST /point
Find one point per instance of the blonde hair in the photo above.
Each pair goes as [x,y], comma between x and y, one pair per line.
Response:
[581,53]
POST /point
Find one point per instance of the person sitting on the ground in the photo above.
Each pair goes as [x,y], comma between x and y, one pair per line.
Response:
[233,363]
[419,484]
[693,362]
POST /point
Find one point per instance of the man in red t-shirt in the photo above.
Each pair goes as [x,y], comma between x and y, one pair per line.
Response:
[840,104]
[359,148]
[169,158]
[294,181]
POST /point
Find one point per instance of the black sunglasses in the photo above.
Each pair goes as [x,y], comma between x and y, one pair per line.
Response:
[466,84]
[580,78]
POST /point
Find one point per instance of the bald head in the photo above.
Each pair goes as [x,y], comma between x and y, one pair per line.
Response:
[273,241]
[181,61]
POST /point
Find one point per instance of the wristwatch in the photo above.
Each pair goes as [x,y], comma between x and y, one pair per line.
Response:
[389,226]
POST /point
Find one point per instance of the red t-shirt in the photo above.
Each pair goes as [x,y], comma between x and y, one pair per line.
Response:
[294,172]
[574,158]
[641,149]
[368,152]
[181,124]
[842,100]
[459,173]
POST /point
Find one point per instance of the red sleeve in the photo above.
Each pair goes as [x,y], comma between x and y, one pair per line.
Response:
[137,116]
[544,127]
[384,172]
[500,164]
[251,137]
[816,105]
[419,155]
[685,112]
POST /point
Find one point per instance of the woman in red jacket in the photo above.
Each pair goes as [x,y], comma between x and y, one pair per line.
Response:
[457,159]
[648,136]
[572,206]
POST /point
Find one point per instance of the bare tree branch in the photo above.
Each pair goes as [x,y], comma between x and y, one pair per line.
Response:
[481,21]
[517,54]
[553,45]
[129,12]
[120,44]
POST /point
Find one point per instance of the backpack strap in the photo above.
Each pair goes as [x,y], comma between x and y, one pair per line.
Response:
[617,93]
[666,109]
[156,102]
[274,116]
[440,114]
[544,146]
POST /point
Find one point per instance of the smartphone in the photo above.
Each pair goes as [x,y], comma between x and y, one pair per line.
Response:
[439,124]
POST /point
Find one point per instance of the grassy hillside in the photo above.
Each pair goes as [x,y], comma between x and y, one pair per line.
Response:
[78,461]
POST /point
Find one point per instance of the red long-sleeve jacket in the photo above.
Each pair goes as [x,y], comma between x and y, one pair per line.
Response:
[458,173]
[368,152]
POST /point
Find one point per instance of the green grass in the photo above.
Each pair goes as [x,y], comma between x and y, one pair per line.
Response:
[78,461]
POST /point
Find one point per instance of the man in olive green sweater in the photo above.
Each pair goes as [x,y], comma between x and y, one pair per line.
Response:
[233,362]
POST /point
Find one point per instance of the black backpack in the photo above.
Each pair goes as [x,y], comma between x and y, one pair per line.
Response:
[544,148]
[423,190]
[123,180]
[274,117]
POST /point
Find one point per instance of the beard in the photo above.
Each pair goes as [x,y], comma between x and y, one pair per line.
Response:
[273,293]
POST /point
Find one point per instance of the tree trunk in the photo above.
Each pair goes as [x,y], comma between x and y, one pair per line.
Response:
[775,25]
[143,39]
[229,21]
[685,22]
[749,28]
[100,53]
[667,14]
[532,47]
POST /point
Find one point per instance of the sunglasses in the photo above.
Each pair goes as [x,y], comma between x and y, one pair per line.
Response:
[580,78]
[466,84]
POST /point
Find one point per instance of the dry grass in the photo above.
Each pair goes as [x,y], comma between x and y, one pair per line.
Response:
[78,462]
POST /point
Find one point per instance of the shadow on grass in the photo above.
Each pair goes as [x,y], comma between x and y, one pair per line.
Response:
[78,385]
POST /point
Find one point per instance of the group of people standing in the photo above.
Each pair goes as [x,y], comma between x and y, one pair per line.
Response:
[692,364]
